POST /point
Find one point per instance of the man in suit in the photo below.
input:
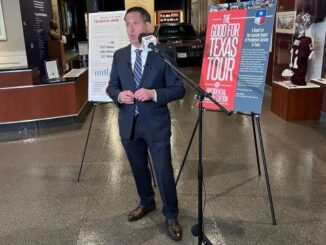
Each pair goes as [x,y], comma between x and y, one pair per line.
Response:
[141,85]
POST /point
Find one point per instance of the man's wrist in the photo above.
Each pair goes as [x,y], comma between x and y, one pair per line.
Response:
[154,95]
[119,98]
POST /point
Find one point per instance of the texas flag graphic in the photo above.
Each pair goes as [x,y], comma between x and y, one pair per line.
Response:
[260,16]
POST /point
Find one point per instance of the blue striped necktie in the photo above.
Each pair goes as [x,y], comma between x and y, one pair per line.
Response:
[137,73]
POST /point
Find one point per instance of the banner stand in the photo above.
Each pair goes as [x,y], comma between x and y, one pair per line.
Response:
[255,123]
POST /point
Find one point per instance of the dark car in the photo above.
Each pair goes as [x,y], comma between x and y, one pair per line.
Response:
[183,39]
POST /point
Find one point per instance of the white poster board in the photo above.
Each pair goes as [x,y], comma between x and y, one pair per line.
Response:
[107,33]
[52,69]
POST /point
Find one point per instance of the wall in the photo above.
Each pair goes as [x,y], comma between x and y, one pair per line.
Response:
[196,14]
[169,4]
[199,13]
[12,51]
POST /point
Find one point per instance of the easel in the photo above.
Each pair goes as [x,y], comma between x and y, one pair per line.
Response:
[256,128]
[87,138]
[95,104]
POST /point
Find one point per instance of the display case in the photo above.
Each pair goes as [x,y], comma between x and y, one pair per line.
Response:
[46,100]
[298,56]
[293,103]
[19,77]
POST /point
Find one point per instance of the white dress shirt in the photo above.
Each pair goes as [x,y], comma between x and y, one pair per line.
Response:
[143,61]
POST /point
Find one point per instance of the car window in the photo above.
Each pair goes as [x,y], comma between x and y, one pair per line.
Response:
[177,30]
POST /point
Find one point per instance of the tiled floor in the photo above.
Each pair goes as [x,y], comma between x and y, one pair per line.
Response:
[41,201]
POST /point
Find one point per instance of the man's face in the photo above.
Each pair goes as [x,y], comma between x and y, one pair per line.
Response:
[135,25]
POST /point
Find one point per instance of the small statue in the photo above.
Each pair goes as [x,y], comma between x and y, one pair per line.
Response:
[301,51]
[53,33]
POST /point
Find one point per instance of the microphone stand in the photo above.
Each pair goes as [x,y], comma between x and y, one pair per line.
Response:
[197,229]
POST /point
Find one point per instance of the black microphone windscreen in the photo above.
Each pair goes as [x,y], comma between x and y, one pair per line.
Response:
[151,45]
[140,37]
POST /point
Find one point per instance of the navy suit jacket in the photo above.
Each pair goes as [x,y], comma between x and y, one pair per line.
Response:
[155,116]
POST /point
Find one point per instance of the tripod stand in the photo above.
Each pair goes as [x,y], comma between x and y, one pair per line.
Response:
[255,121]
[197,229]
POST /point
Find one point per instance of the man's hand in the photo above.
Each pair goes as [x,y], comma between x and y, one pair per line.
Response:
[126,97]
[144,94]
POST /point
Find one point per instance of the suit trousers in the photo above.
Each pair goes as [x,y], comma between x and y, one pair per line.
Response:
[136,149]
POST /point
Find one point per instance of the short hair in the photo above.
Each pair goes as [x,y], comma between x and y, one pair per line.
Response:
[143,12]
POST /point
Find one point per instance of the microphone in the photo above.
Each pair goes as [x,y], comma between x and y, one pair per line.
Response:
[148,42]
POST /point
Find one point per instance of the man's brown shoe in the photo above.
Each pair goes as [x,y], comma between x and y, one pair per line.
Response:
[140,212]
[174,229]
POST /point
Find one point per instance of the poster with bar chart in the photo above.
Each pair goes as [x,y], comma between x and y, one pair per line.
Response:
[107,33]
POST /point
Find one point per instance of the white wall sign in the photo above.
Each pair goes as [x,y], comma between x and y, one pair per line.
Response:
[107,33]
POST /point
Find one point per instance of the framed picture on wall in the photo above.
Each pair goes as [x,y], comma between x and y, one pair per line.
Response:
[3,35]
[285,22]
